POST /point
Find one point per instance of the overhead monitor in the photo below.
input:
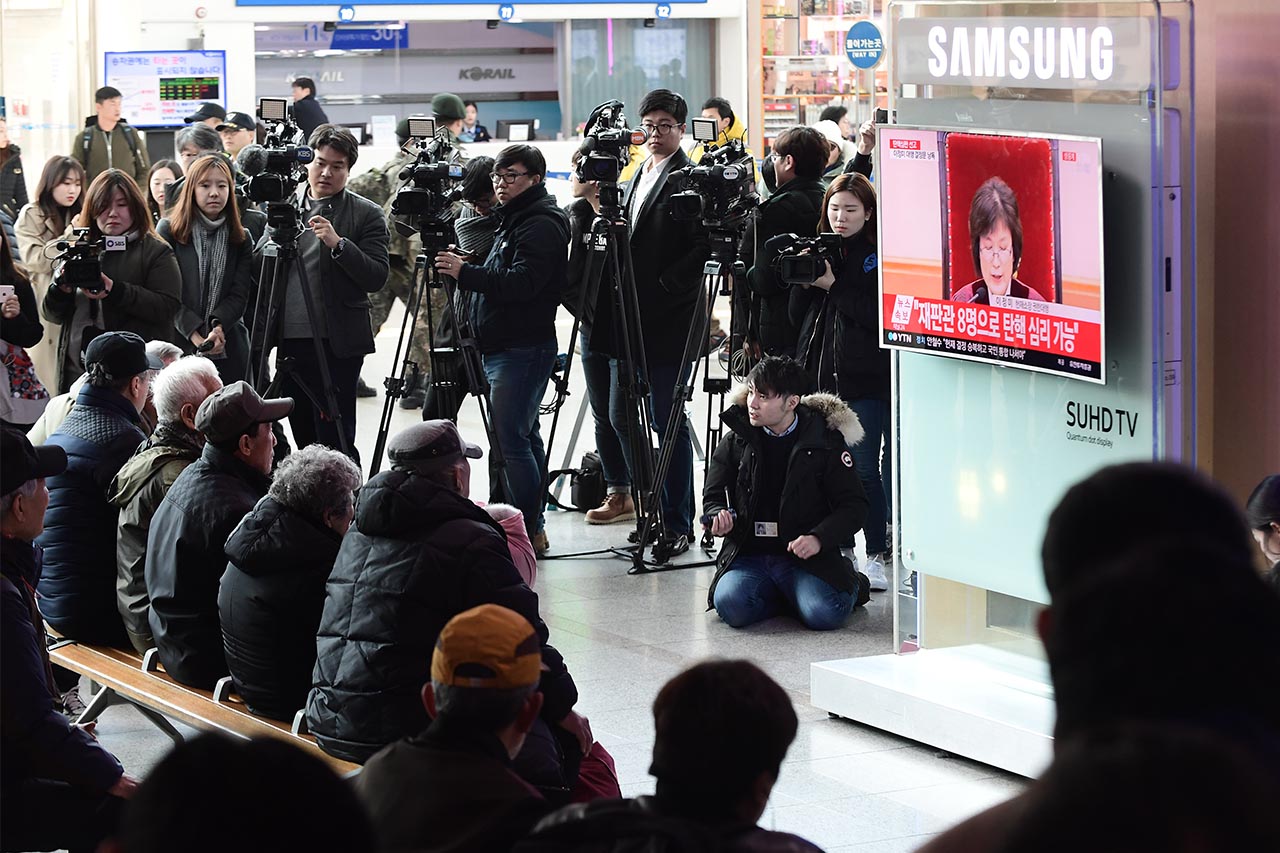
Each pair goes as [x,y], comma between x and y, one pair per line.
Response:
[990,248]
[161,88]
[516,130]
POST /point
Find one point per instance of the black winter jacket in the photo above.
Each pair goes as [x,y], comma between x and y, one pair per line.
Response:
[35,738]
[78,586]
[523,277]
[416,556]
[269,605]
[309,115]
[13,186]
[185,561]
[822,494]
[25,330]
[795,209]
[840,329]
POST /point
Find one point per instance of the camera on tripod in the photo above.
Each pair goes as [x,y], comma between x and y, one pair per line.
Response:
[80,260]
[286,160]
[430,185]
[607,146]
[800,259]
[721,189]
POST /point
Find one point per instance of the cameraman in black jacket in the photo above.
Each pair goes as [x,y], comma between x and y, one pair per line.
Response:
[519,286]
[799,156]
[839,317]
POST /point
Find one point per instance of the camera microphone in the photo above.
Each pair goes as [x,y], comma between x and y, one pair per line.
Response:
[252,160]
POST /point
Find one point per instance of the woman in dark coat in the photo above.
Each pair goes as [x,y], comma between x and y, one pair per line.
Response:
[215,256]
[271,596]
[13,183]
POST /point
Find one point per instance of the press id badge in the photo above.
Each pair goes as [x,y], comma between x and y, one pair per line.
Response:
[766,530]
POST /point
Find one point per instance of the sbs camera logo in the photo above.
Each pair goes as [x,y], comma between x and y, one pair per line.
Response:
[475,72]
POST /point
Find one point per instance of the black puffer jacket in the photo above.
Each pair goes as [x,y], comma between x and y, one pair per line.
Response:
[78,585]
[822,494]
[269,605]
[795,209]
[13,185]
[185,561]
[523,278]
[840,329]
[416,556]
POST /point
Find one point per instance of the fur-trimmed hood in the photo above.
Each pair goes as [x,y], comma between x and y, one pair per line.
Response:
[834,411]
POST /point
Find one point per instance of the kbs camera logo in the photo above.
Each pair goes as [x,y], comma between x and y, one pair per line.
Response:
[475,72]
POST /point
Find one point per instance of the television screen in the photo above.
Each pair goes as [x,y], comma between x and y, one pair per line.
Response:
[161,88]
[990,248]
[516,130]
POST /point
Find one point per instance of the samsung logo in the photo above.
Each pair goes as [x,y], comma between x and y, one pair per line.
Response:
[1067,53]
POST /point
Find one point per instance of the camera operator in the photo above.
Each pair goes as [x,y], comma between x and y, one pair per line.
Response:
[139,288]
[799,156]
[840,348]
[344,248]
[519,286]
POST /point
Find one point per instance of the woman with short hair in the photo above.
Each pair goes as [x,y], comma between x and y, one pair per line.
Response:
[271,595]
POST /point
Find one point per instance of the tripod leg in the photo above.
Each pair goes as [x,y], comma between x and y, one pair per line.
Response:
[395,383]
[334,412]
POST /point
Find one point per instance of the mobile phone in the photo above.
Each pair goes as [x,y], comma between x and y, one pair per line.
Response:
[6,290]
[882,116]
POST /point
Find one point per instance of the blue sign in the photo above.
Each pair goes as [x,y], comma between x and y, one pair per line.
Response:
[369,38]
[663,10]
[346,14]
[864,45]
[506,12]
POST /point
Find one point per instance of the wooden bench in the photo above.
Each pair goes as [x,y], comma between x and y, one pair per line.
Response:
[126,677]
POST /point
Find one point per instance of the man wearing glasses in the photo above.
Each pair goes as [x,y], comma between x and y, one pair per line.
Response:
[518,289]
[668,257]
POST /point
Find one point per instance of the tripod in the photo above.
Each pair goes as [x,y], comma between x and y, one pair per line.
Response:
[283,247]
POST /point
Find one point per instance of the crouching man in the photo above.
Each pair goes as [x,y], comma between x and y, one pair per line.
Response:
[783,492]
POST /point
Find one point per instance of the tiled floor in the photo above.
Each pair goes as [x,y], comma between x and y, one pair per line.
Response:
[844,786]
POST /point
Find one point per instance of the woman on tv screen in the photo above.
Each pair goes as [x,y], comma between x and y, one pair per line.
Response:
[995,234]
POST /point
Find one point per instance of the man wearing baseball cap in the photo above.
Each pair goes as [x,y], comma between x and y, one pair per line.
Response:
[208,113]
[60,788]
[237,131]
[451,787]
[78,584]
[185,557]
[419,553]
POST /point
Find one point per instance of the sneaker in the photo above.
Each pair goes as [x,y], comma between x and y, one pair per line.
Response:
[670,546]
[363,389]
[864,590]
[72,705]
[540,543]
[415,395]
[616,507]
[876,572]
[850,555]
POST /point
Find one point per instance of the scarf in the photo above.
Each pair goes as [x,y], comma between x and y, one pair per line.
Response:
[210,240]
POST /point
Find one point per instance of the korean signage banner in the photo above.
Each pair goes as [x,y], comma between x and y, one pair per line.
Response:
[160,88]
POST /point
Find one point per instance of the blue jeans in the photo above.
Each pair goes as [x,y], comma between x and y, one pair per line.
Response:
[601,375]
[874,470]
[677,491]
[756,586]
[517,379]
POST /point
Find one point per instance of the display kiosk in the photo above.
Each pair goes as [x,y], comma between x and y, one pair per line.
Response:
[1083,113]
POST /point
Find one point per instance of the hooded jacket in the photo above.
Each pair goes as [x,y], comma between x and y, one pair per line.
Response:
[121,149]
[821,495]
[137,491]
[269,605]
[186,559]
[524,275]
[417,555]
[77,587]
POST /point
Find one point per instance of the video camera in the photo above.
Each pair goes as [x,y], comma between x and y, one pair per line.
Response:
[80,261]
[431,183]
[800,259]
[278,168]
[606,149]
[720,190]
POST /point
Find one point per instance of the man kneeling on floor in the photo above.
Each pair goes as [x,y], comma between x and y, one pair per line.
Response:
[452,787]
[783,492]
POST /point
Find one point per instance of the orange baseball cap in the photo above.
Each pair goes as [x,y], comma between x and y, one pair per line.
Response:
[489,647]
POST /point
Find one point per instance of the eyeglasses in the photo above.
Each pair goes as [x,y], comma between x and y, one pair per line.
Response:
[659,129]
[990,253]
[507,177]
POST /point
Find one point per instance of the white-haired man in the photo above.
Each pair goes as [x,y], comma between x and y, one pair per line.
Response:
[144,480]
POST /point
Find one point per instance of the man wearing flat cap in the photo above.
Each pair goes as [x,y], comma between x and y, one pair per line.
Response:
[418,554]
[185,556]
[78,585]
[60,788]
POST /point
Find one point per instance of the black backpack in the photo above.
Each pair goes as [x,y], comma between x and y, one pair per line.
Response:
[586,484]
[130,136]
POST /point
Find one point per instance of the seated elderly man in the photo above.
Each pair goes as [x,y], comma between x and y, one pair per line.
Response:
[185,556]
[77,587]
[419,554]
[146,478]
